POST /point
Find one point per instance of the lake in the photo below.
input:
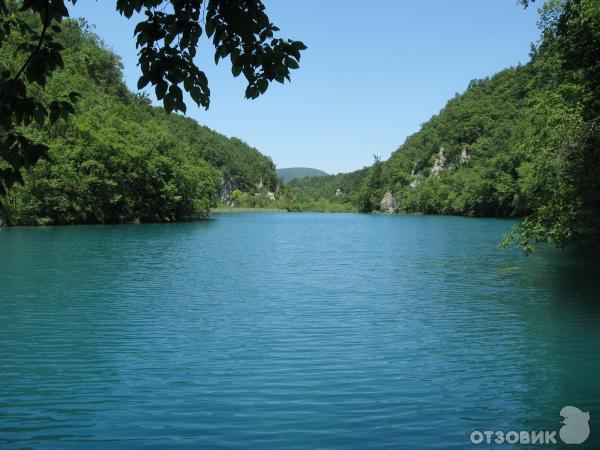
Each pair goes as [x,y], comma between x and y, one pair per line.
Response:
[283,331]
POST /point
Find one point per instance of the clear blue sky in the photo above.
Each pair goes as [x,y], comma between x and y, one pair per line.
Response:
[373,72]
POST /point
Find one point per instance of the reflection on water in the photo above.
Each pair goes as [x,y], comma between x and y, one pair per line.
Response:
[290,331]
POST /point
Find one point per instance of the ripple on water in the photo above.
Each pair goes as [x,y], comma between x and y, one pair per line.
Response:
[289,331]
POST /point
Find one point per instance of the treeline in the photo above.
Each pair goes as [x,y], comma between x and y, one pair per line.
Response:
[523,143]
[118,159]
[452,165]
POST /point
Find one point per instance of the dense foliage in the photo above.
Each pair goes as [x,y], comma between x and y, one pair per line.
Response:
[325,187]
[523,143]
[242,166]
[118,159]
[167,38]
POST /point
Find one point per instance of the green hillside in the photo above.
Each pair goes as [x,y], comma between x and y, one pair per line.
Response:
[119,159]
[523,143]
[472,132]
[291,173]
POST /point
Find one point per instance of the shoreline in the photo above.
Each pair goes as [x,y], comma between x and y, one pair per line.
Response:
[246,210]
[220,210]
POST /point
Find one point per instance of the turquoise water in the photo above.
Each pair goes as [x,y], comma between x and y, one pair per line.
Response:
[282,331]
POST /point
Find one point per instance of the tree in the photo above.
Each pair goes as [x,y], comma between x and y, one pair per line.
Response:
[560,178]
[119,159]
[370,194]
[238,197]
[167,40]
[524,143]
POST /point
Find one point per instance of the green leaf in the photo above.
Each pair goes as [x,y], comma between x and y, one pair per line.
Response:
[262,85]
[169,103]
[161,89]
[236,69]
[210,27]
[54,115]
[142,82]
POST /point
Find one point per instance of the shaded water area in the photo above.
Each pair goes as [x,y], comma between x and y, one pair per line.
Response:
[290,331]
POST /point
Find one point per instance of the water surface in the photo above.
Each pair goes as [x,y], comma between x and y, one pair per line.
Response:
[276,331]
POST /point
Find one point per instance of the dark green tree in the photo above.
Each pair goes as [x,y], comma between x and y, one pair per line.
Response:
[523,143]
[167,40]
[370,193]
[560,177]
[119,159]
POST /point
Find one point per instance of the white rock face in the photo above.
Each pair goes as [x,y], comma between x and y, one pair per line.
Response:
[388,204]
[270,195]
[259,185]
[439,163]
[225,191]
[338,193]
[414,184]
[464,156]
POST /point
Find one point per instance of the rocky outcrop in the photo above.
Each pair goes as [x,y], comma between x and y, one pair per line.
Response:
[388,203]
[414,184]
[259,185]
[270,195]
[225,191]
[464,156]
[338,192]
[439,163]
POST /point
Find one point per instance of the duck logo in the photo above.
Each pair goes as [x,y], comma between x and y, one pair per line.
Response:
[575,429]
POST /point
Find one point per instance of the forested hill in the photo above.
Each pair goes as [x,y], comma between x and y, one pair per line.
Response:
[291,173]
[119,159]
[523,143]
[443,168]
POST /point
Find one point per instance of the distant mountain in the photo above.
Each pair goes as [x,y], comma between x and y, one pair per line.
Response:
[292,173]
